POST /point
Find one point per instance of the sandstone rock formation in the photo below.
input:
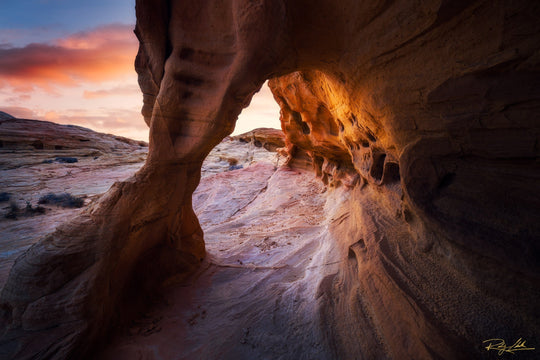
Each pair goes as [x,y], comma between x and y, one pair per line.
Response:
[28,172]
[20,134]
[426,111]
[270,139]
[6,116]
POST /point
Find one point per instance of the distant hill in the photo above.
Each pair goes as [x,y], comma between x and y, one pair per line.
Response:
[19,134]
[5,116]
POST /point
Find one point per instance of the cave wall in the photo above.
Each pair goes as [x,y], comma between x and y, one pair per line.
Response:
[428,113]
[440,131]
[423,282]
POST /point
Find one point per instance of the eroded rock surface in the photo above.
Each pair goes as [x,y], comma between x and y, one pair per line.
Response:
[253,297]
[240,151]
[427,112]
[33,163]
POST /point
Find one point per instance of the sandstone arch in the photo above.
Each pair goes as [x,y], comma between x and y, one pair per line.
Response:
[420,101]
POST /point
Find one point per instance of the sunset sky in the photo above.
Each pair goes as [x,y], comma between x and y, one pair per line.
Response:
[71,62]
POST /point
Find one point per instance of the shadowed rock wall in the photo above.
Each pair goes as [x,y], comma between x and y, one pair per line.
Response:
[427,111]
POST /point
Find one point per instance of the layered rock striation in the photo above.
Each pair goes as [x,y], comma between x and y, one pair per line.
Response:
[427,112]
[24,134]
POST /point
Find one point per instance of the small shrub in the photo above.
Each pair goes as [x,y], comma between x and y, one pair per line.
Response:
[67,160]
[38,210]
[13,210]
[4,196]
[63,200]
[230,160]
[29,210]
[235,167]
[11,215]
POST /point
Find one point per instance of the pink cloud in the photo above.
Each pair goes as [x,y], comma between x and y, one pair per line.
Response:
[123,122]
[19,112]
[119,90]
[19,98]
[98,55]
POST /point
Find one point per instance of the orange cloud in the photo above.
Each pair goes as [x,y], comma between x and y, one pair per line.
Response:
[98,55]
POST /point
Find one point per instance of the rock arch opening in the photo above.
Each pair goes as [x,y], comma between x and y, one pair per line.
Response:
[262,112]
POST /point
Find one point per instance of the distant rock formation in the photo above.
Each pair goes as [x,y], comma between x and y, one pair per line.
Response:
[5,116]
[44,135]
[270,139]
[427,111]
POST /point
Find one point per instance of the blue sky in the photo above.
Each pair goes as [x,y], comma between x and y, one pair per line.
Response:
[26,21]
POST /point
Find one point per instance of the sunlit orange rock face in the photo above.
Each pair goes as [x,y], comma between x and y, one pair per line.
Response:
[426,112]
[341,149]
